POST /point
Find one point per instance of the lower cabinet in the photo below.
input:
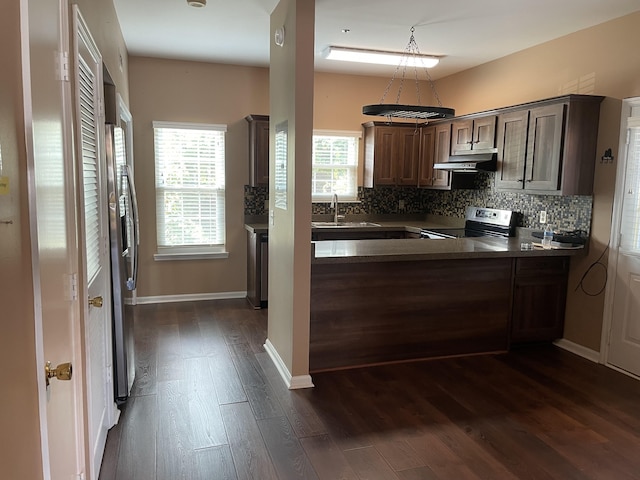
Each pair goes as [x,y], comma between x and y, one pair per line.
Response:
[539,296]
[257,269]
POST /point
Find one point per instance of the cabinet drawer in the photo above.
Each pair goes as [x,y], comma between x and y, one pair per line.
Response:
[541,266]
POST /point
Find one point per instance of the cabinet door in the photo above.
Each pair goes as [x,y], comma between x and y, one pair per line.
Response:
[478,135]
[442,178]
[461,136]
[544,150]
[408,156]
[427,152]
[253,269]
[258,150]
[385,150]
[484,133]
[512,149]
[540,290]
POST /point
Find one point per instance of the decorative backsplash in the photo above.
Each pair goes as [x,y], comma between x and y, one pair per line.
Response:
[563,212]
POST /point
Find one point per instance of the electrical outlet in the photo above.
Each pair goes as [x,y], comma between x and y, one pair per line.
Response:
[401,204]
[543,216]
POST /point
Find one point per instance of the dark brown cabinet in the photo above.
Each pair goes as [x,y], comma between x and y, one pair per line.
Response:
[441,179]
[512,149]
[549,147]
[434,148]
[258,149]
[391,154]
[539,296]
[473,134]
[257,269]
[404,154]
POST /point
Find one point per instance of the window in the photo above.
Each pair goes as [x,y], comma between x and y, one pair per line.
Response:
[190,189]
[335,166]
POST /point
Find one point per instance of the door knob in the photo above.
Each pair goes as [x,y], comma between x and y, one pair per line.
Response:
[96,302]
[61,372]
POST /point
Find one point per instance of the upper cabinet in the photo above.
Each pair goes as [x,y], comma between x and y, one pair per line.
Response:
[404,153]
[473,135]
[391,154]
[434,148]
[549,147]
[258,149]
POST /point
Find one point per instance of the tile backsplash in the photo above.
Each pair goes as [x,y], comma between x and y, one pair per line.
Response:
[563,212]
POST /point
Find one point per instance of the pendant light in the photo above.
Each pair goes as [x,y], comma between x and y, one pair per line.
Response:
[419,112]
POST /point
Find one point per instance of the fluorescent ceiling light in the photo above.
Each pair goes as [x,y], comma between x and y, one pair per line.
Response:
[380,57]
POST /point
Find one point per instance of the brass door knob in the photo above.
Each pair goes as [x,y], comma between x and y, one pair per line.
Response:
[96,301]
[64,371]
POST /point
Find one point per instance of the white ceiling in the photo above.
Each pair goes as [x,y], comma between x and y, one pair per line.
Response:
[466,32]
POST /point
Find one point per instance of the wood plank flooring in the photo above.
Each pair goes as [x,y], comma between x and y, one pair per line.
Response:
[208,404]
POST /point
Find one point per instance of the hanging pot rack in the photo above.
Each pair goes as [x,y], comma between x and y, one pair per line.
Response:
[397,110]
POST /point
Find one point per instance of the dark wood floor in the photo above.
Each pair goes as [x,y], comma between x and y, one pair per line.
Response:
[208,404]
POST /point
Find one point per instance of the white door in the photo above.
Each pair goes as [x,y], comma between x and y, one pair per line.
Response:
[94,245]
[47,109]
[622,301]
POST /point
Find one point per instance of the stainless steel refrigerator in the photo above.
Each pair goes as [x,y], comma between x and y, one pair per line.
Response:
[124,241]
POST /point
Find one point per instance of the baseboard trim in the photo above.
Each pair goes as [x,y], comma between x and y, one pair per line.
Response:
[579,350]
[190,297]
[292,383]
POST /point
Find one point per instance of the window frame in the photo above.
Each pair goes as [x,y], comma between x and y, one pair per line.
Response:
[357,136]
[185,251]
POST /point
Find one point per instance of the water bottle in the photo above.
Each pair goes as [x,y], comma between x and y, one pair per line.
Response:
[547,237]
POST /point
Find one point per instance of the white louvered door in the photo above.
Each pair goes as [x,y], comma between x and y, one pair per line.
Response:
[94,245]
[623,289]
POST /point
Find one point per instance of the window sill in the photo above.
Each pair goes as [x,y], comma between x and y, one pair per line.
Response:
[328,200]
[164,257]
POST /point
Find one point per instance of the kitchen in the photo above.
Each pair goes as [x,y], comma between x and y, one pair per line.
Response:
[173,80]
[539,72]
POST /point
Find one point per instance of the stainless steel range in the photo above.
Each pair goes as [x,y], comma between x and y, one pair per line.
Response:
[479,222]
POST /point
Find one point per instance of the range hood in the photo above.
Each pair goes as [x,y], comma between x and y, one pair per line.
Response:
[469,163]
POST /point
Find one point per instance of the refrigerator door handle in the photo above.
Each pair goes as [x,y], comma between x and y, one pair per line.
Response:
[132,281]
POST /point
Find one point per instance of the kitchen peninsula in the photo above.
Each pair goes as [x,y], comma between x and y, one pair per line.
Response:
[387,301]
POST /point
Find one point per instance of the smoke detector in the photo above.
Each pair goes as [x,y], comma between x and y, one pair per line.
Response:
[197,3]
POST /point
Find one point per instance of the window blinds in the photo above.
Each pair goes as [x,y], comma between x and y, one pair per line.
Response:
[630,224]
[90,176]
[190,184]
[335,166]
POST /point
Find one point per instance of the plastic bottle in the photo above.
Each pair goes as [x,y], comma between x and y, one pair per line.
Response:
[547,237]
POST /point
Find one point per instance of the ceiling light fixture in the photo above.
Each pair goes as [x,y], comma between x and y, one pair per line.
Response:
[197,3]
[378,57]
[410,58]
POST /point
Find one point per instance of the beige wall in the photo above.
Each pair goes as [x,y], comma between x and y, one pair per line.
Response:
[194,92]
[19,436]
[203,92]
[291,95]
[605,53]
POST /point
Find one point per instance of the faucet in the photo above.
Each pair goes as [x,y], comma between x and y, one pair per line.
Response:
[334,205]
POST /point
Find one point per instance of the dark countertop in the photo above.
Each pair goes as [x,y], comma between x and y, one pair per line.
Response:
[412,249]
[357,251]
[386,222]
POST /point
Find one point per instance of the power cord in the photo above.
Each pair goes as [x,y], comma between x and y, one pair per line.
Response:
[591,267]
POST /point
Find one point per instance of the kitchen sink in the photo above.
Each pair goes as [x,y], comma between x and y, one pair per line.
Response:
[343,224]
